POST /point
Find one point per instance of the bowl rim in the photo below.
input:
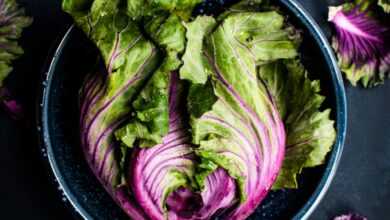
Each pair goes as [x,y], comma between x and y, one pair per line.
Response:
[334,157]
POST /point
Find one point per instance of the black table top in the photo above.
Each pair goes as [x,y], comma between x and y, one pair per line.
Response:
[28,192]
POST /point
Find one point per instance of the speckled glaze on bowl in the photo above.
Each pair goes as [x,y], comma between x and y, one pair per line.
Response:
[60,135]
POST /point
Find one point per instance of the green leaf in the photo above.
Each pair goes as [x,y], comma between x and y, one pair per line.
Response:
[201,99]
[12,22]
[385,4]
[244,6]
[196,68]
[368,74]
[76,5]
[136,130]
[106,24]
[310,131]
[130,59]
[138,9]
[247,5]
[240,114]
[150,115]
[262,33]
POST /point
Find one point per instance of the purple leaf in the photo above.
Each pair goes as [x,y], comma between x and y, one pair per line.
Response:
[362,45]
[11,106]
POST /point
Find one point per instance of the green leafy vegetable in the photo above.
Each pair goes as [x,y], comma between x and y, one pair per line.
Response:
[185,106]
[196,68]
[130,59]
[12,22]
[242,132]
[385,4]
[310,132]
[138,8]
[151,112]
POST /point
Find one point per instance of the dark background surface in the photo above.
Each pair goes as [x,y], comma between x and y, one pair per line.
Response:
[362,183]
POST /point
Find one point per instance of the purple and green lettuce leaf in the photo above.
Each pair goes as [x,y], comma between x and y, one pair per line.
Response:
[242,131]
[157,171]
[145,194]
[361,43]
[12,22]
[150,114]
[105,97]
[161,176]
[310,131]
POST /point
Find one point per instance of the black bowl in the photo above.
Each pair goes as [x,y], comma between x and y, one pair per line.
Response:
[60,134]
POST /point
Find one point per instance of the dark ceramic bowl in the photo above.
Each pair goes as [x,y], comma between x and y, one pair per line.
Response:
[60,137]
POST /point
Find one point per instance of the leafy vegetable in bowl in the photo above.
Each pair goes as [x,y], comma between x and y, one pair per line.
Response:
[197,117]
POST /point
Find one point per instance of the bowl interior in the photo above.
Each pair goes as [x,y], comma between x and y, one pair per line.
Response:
[61,134]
